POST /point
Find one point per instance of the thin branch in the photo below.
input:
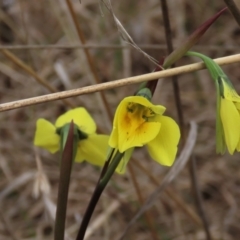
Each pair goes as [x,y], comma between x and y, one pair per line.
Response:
[233,9]
[168,36]
[115,84]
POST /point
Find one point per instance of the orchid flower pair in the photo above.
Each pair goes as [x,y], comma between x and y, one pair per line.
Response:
[137,122]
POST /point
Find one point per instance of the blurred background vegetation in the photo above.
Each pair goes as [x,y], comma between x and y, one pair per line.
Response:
[29,177]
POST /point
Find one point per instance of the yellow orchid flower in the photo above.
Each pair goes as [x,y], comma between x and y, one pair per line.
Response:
[138,122]
[228,108]
[92,147]
[229,115]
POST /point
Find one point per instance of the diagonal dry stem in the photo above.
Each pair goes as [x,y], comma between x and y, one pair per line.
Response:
[115,84]
[31,72]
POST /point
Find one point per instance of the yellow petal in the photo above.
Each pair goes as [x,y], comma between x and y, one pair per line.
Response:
[81,118]
[113,140]
[238,108]
[237,104]
[238,146]
[163,148]
[134,123]
[158,109]
[94,149]
[133,129]
[45,136]
[229,92]
[142,135]
[231,124]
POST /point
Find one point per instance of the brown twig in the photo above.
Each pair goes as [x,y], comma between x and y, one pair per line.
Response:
[191,169]
[141,201]
[234,10]
[168,36]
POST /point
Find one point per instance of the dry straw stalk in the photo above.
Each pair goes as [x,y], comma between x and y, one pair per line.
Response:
[114,84]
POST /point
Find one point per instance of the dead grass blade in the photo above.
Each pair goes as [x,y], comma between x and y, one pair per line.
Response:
[124,34]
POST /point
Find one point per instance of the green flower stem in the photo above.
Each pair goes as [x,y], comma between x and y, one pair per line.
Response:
[116,160]
[212,67]
[70,139]
[102,183]
[105,167]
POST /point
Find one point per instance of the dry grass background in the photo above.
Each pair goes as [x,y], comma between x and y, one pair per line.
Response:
[24,214]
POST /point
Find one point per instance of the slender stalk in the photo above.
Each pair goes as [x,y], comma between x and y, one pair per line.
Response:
[191,170]
[88,56]
[102,183]
[198,198]
[234,10]
[192,164]
[168,36]
[141,200]
[193,176]
[115,83]
[64,180]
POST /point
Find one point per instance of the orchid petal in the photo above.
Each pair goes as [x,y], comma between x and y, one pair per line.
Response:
[80,117]
[163,148]
[158,109]
[46,136]
[231,124]
[139,137]
[133,128]
[93,149]
[229,92]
